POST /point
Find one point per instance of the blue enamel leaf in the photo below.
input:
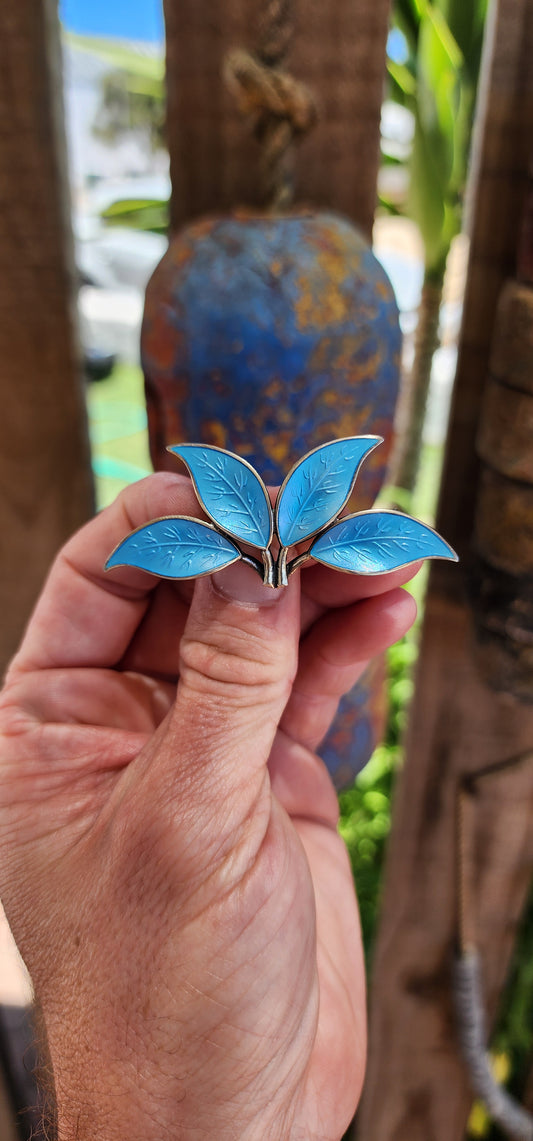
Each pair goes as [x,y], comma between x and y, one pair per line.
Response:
[372,542]
[230,491]
[317,488]
[175,547]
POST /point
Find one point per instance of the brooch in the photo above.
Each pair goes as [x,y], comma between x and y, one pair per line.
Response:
[308,506]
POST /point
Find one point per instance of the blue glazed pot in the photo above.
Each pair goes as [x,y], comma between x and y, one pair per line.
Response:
[269,336]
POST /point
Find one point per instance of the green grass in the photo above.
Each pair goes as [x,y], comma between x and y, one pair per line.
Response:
[118,431]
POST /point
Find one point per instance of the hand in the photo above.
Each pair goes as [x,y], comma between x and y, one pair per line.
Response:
[169,858]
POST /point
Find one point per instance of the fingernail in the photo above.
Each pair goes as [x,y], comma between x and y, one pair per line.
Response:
[240,583]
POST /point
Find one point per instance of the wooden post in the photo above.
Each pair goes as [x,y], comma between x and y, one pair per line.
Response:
[44,457]
[338,50]
[417,1088]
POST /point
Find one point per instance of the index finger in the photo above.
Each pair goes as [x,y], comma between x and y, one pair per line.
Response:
[324,589]
[84,616]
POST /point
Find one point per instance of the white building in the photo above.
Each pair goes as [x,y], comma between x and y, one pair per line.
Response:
[90,159]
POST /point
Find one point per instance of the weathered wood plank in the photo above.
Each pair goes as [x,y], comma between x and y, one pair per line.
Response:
[512,352]
[501,159]
[45,480]
[338,49]
[417,1089]
[414,1054]
[506,430]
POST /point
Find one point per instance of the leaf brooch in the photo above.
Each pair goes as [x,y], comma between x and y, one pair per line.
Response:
[308,506]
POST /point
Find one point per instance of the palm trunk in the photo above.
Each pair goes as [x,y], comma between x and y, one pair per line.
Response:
[413,399]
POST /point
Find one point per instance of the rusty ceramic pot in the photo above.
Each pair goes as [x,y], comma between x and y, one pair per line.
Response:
[269,336]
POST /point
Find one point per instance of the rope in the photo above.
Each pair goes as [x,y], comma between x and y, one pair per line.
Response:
[275,31]
[468,997]
[465,902]
[516,1121]
[280,106]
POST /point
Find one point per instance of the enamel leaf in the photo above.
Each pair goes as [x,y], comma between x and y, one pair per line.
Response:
[373,542]
[317,488]
[175,547]
[230,492]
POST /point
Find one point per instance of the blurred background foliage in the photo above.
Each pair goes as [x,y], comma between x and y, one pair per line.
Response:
[433,67]
[150,214]
[132,97]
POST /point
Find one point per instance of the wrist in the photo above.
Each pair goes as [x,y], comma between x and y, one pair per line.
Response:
[120,1101]
[115,1099]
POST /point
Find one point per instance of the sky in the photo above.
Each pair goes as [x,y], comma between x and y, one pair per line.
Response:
[126,19]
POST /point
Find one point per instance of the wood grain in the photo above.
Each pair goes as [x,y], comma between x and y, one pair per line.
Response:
[45,480]
[503,616]
[505,439]
[511,357]
[459,726]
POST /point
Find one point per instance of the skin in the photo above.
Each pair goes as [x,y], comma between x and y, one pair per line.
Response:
[169,859]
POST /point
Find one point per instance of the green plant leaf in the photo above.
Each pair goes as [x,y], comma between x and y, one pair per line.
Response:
[403,78]
[407,16]
[438,65]
[139,214]
[466,21]
[426,196]
[388,206]
[150,86]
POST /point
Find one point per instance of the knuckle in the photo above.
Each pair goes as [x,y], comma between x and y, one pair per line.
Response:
[234,662]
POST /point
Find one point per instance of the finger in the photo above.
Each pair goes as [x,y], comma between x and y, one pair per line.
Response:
[334,654]
[86,616]
[91,697]
[155,647]
[323,588]
[301,782]
[238,659]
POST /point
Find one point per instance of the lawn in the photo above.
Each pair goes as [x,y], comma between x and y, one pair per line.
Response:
[118,431]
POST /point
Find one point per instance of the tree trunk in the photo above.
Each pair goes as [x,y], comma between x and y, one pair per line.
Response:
[412,403]
[417,1087]
[44,456]
[338,50]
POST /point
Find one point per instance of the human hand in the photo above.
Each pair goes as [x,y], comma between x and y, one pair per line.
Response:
[169,858]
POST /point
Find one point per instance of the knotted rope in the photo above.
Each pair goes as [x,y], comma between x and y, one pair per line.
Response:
[275,31]
[281,107]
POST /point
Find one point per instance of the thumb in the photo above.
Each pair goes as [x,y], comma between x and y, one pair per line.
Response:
[239,654]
